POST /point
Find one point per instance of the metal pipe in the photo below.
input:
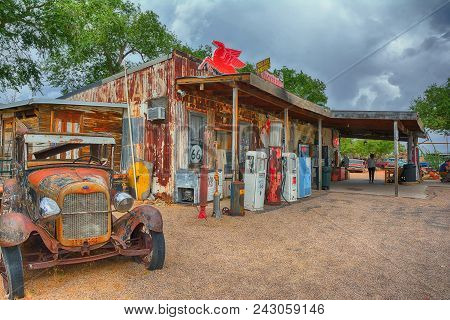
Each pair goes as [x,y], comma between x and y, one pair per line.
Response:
[396,157]
[234,135]
[130,132]
[320,153]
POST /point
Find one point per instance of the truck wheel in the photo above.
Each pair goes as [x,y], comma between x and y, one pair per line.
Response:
[13,275]
[155,241]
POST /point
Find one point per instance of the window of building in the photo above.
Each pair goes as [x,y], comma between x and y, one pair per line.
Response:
[67,122]
[197,123]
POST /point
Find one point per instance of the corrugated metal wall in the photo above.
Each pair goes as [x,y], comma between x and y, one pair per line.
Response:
[155,81]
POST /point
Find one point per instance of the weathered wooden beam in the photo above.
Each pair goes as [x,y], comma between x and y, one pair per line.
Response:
[234,134]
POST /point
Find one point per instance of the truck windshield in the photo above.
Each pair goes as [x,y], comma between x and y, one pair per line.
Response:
[54,149]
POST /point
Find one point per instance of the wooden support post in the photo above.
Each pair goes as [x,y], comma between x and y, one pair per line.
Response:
[396,157]
[320,153]
[234,135]
[286,130]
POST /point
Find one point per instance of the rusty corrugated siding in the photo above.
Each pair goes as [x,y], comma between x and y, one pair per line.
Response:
[155,81]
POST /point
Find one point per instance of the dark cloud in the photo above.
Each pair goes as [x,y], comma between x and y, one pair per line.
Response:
[324,37]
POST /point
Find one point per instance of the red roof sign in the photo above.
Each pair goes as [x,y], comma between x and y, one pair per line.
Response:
[224,60]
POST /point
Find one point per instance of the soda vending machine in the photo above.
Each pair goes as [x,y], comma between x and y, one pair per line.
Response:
[290,164]
[255,180]
[274,168]
[304,171]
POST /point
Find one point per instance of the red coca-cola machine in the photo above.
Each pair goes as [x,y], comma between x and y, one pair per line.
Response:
[274,179]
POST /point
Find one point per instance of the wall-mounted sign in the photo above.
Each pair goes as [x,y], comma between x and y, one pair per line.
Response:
[263,65]
[266,75]
[196,154]
[224,60]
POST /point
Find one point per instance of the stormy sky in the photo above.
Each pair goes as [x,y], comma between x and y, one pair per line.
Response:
[324,37]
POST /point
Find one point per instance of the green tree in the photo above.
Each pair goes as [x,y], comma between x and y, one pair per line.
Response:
[26,33]
[360,148]
[303,85]
[299,84]
[201,52]
[434,108]
[99,34]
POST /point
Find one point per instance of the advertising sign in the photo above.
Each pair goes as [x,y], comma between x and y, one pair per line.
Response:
[224,60]
[263,65]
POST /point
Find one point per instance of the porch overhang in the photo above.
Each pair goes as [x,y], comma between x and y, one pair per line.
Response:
[375,124]
[260,94]
[254,92]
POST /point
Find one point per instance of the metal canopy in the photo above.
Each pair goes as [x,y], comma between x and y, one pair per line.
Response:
[255,92]
[375,124]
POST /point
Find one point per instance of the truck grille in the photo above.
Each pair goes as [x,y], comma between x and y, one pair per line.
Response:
[85,215]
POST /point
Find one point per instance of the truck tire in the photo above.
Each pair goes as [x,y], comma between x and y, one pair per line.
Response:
[155,260]
[13,278]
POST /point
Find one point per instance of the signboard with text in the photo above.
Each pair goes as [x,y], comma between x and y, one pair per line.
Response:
[266,75]
[263,65]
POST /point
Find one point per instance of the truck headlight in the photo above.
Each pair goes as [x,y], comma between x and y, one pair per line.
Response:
[123,202]
[48,207]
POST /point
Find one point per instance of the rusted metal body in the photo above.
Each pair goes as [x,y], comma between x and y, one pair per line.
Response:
[274,172]
[42,239]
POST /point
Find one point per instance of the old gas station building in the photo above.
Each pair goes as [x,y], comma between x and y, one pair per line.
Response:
[181,115]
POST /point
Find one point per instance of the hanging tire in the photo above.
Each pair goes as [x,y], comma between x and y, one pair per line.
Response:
[13,272]
[154,241]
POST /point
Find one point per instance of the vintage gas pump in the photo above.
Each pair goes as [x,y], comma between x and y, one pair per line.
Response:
[273,190]
[290,164]
[304,171]
[255,180]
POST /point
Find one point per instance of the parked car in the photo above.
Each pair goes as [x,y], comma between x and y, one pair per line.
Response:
[58,209]
[382,164]
[391,162]
[424,164]
[356,165]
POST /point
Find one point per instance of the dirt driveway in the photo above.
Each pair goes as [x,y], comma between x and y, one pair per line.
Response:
[335,246]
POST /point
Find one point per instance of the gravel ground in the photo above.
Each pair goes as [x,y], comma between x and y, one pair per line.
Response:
[333,246]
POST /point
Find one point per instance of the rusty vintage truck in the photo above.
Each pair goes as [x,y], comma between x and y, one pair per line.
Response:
[60,208]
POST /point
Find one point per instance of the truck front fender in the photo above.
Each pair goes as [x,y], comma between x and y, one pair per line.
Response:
[15,228]
[147,215]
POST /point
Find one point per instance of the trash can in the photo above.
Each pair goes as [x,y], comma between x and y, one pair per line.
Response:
[409,172]
[326,178]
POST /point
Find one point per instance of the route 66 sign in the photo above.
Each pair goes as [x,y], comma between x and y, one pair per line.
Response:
[196,154]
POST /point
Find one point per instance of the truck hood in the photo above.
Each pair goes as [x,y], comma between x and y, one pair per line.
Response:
[49,182]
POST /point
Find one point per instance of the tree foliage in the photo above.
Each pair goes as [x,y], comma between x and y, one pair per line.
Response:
[98,35]
[363,148]
[434,108]
[303,85]
[299,83]
[26,32]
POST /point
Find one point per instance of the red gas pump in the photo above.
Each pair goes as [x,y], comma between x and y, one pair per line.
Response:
[274,172]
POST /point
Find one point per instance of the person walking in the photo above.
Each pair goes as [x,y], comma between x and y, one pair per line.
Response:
[371,167]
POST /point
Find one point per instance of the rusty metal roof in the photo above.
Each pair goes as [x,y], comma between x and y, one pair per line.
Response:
[118,75]
[47,101]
